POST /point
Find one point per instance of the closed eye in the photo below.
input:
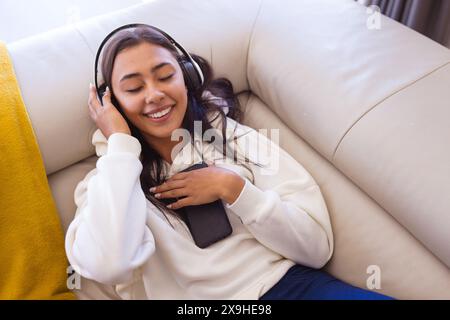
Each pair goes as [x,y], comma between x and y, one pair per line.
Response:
[134,90]
[167,78]
[162,79]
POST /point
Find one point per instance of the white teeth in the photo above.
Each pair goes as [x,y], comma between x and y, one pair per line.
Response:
[159,114]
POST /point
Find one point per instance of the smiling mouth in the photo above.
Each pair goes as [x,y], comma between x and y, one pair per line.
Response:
[161,115]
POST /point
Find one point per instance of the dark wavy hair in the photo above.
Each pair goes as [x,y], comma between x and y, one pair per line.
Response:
[199,106]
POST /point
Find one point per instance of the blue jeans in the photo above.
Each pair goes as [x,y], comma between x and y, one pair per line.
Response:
[304,283]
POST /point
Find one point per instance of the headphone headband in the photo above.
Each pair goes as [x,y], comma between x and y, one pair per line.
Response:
[134,25]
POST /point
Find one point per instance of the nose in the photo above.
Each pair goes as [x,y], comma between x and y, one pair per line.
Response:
[153,95]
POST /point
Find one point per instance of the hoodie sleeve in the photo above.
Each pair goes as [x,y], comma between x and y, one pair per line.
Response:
[283,208]
[108,238]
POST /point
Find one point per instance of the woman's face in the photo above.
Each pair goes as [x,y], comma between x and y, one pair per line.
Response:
[148,83]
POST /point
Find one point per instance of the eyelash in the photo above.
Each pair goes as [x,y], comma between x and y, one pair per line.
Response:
[162,79]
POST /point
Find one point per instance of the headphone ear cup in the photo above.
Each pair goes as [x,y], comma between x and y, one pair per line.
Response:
[191,76]
[101,91]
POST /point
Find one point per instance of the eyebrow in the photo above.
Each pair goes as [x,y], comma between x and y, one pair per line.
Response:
[153,70]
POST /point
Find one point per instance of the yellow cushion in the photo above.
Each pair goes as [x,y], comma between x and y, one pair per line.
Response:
[33,263]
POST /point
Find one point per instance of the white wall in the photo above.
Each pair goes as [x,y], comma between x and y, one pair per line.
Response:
[23,18]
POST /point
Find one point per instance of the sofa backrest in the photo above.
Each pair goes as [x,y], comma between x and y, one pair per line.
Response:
[375,103]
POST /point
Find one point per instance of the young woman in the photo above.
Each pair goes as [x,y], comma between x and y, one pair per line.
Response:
[124,235]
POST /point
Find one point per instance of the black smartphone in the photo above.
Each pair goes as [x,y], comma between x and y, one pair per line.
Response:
[208,223]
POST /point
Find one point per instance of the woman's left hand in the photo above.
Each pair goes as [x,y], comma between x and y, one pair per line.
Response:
[201,186]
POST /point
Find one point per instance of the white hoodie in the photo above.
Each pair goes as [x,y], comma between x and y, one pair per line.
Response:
[120,238]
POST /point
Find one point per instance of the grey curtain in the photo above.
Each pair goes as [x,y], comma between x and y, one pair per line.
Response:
[429,17]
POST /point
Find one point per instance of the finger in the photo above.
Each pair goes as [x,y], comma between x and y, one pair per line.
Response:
[168,185]
[175,193]
[107,96]
[92,113]
[179,176]
[181,203]
[93,101]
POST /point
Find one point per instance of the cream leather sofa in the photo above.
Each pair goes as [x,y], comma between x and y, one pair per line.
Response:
[367,112]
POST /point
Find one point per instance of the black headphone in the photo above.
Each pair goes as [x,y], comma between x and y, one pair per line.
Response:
[192,73]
